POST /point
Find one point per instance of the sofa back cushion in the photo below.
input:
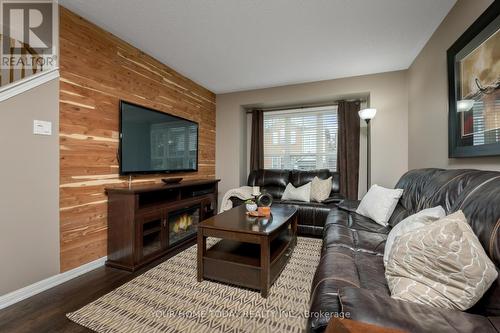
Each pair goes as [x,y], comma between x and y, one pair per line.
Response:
[480,202]
[274,181]
[413,184]
[441,264]
[300,177]
[270,181]
[447,186]
[476,193]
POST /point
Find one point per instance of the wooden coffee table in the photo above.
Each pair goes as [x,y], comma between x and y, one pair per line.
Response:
[252,252]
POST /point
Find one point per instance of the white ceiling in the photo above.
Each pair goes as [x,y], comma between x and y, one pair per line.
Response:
[231,45]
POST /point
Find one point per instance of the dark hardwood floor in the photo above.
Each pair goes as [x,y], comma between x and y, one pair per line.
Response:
[46,312]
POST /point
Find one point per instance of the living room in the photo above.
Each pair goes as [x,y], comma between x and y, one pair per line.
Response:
[250,166]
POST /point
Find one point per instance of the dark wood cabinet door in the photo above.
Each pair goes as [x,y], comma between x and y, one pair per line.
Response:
[208,208]
[152,234]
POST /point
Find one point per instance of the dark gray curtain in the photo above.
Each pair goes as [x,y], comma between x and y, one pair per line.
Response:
[348,148]
[257,144]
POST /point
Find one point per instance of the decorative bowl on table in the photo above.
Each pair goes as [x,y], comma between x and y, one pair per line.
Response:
[250,205]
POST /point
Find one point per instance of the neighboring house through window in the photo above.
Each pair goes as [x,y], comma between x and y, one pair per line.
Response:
[302,139]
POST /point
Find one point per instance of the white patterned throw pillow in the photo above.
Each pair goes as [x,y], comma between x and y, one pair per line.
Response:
[302,193]
[441,265]
[320,189]
[412,222]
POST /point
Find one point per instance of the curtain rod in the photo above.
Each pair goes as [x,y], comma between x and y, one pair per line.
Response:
[301,106]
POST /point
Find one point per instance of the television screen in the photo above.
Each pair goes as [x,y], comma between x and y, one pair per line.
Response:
[154,142]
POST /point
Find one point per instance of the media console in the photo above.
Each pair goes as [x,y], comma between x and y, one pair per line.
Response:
[147,222]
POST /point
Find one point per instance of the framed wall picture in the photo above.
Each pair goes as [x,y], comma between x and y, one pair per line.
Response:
[474,88]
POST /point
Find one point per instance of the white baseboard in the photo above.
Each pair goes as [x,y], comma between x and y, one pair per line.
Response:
[37,287]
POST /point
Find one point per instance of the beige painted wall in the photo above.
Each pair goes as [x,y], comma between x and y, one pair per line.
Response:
[29,191]
[428,95]
[387,92]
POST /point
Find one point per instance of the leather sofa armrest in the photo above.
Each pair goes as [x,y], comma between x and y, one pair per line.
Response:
[349,205]
[363,305]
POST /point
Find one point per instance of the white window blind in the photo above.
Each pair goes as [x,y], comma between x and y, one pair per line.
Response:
[302,139]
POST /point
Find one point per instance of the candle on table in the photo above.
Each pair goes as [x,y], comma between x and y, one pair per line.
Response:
[255,190]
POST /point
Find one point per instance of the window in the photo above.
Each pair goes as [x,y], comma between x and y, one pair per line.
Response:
[302,139]
[276,162]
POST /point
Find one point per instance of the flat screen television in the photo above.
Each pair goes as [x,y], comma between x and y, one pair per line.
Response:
[155,142]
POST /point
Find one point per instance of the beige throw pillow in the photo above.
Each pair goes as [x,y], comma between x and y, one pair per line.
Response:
[441,265]
[302,193]
[320,189]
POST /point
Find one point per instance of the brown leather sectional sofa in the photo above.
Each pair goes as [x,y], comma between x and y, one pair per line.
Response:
[350,277]
[311,215]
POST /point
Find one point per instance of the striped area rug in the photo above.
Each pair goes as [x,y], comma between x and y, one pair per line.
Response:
[168,298]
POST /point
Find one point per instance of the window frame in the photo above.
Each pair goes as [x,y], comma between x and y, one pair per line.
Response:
[318,113]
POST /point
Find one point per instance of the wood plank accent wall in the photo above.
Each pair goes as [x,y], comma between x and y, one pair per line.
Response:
[97,70]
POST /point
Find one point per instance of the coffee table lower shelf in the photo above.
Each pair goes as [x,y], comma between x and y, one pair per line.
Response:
[238,263]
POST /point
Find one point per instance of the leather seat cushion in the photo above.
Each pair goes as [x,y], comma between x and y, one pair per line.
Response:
[311,216]
[495,321]
[358,240]
[334,197]
[341,267]
[350,219]
[379,309]
[312,204]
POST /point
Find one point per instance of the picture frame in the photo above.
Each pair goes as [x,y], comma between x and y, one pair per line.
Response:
[474,88]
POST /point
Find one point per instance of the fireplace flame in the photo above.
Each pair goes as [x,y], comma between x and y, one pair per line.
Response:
[183,223]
